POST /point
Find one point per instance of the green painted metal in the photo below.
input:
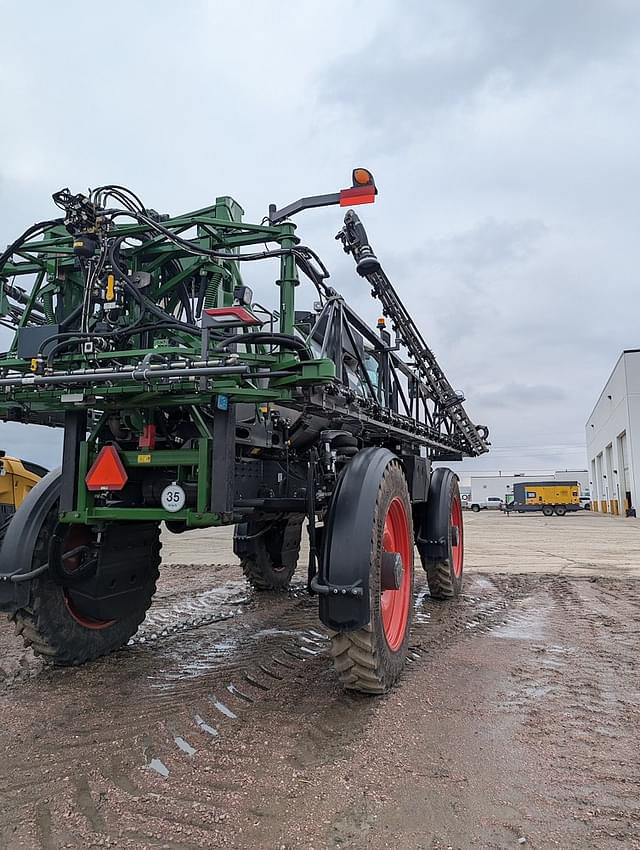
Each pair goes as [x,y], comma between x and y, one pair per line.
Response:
[179,265]
[192,519]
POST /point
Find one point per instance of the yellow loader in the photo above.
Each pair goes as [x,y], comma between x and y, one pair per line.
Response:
[17,477]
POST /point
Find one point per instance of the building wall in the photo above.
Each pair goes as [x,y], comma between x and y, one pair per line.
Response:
[613,439]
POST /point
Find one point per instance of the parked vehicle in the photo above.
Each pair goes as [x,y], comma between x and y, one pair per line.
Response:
[550,497]
[491,503]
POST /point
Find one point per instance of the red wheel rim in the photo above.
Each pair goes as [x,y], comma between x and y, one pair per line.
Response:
[79,535]
[458,548]
[395,604]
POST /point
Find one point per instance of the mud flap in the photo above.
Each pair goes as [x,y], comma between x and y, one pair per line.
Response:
[431,521]
[343,580]
[20,540]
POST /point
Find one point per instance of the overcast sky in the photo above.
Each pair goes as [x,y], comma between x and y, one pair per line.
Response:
[503,135]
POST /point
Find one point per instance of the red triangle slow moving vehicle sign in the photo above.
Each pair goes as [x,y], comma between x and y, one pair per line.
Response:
[107,472]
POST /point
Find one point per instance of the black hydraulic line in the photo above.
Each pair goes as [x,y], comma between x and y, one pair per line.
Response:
[18,577]
[266,338]
[34,230]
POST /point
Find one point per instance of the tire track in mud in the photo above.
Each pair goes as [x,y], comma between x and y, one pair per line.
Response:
[139,744]
[194,690]
[579,696]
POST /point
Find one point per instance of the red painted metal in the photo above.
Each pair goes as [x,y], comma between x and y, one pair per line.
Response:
[357,195]
[395,605]
[230,316]
[107,472]
[458,548]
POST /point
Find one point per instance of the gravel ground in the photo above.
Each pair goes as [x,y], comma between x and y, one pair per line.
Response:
[221,725]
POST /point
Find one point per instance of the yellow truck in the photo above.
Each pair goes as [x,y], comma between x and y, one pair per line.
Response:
[17,477]
[550,497]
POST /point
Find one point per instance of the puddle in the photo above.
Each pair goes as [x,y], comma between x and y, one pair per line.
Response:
[538,690]
[484,583]
[222,708]
[237,693]
[168,617]
[530,627]
[421,615]
[185,746]
[159,767]
[204,726]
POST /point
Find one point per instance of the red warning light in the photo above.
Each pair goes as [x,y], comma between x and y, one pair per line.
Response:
[107,472]
[357,195]
[363,189]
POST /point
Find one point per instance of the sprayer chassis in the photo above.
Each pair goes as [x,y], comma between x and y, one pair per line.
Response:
[145,348]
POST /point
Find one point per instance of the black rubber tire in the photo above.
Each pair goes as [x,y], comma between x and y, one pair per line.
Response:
[48,627]
[4,525]
[269,560]
[475,509]
[560,510]
[363,659]
[547,510]
[437,525]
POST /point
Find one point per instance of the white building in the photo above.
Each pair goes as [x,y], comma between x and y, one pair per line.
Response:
[613,439]
[498,487]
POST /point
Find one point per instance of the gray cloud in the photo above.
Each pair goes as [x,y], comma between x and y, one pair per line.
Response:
[520,395]
[434,56]
[503,137]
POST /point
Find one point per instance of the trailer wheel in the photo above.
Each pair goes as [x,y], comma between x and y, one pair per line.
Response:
[371,658]
[58,621]
[269,551]
[560,510]
[441,540]
[475,509]
[547,510]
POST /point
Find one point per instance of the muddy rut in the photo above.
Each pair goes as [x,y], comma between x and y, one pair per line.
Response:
[221,725]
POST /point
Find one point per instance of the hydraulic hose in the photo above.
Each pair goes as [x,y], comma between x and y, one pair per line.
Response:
[266,338]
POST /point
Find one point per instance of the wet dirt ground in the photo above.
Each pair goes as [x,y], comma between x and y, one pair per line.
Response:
[516,723]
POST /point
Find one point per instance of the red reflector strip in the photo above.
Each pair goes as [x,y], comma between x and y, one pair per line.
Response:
[107,472]
[148,438]
[357,195]
[230,316]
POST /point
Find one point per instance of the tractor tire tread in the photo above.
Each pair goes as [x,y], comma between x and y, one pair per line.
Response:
[356,657]
[57,641]
[258,567]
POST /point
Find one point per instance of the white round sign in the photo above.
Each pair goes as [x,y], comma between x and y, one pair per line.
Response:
[173,498]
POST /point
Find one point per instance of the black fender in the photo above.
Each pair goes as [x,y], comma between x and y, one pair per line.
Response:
[343,580]
[432,527]
[18,545]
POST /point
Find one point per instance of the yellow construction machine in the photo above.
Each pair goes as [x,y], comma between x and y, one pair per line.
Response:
[17,477]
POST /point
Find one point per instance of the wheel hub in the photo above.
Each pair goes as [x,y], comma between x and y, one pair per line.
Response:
[391,571]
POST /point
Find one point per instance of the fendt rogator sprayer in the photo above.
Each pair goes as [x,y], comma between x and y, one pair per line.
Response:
[185,402]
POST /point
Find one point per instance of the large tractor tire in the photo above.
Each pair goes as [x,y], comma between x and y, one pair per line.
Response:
[62,622]
[96,590]
[441,536]
[371,658]
[269,552]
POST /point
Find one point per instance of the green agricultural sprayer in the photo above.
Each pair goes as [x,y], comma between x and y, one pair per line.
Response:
[185,402]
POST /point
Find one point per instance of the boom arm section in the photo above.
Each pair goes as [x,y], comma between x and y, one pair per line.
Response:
[442,405]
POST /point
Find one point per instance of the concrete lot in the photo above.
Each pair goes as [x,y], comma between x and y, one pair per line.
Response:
[577,544]
[515,722]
